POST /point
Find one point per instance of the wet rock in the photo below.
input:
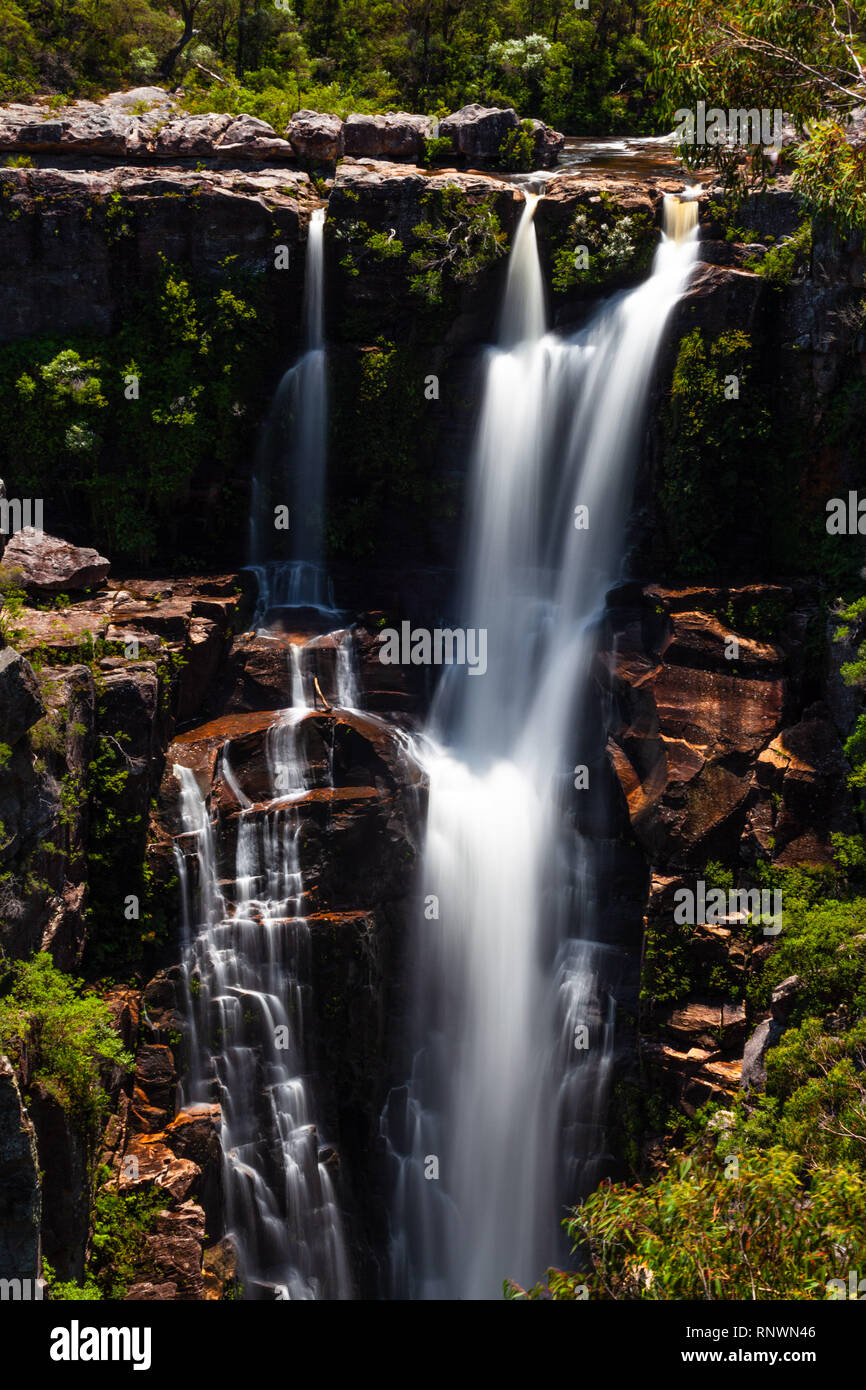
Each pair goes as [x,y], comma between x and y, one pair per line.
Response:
[219,1270]
[206,641]
[20,1192]
[194,1135]
[163,1007]
[175,1250]
[476,132]
[155,1088]
[396,135]
[257,676]
[49,565]
[315,138]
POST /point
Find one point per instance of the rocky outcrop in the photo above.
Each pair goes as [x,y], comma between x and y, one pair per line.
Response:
[20,702]
[476,132]
[64,1178]
[716,760]
[548,145]
[20,1191]
[47,565]
[115,226]
[147,124]
[144,123]
[768,1033]
[315,138]
[697,702]
[394,136]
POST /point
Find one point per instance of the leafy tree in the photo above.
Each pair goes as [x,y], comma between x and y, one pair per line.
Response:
[802,59]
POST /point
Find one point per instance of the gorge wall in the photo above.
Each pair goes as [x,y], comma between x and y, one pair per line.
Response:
[708,761]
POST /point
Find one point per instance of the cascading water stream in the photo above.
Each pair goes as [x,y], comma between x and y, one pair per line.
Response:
[292,462]
[508,1091]
[247,943]
[247,963]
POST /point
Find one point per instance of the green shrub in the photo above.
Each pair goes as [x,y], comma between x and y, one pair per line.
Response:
[618,245]
[457,241]
[121,1224]
[707,1231]
[782,262]
[517,150]
[69,1036]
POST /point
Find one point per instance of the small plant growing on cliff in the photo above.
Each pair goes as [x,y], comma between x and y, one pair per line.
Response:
[121,1224]
[13,599]
[68,1034]
[781,263]
[615,244]
[438,149]
[456,242]
[18,161]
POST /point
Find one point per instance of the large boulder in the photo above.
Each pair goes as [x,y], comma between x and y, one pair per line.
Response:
[20,703]
[49,565]
[250,138]
[547,146]
[396,135]
[768,1033]
[187,136]
[477,132]
[316,138]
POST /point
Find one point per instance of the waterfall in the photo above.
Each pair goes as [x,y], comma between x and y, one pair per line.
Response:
[247,968]
[247,947]
[291,467]
[503,1116]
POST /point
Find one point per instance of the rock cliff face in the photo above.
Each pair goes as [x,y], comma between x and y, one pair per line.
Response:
[20,1191]
[723,757]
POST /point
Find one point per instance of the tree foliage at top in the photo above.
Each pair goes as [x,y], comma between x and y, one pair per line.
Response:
[582,70]
[805,60]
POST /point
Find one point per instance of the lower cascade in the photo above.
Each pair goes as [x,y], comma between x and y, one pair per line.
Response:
[247,959]
[512,1021]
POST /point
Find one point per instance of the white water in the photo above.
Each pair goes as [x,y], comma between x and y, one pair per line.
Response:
[500,1094]
[292,465]
[247,942]
[247,966]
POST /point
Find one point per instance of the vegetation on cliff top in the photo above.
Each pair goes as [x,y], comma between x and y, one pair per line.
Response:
[581,70]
